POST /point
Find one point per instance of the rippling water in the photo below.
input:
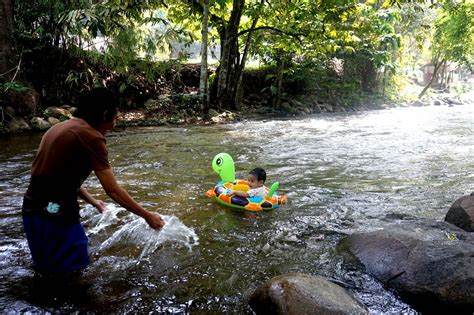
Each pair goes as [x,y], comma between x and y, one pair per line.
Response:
[341,172]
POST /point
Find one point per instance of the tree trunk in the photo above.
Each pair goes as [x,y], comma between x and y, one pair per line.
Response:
[203,87]
[433,77]
[384,81]
[279,79]
[442,76]
[229,61]
[6,38]
[238,91]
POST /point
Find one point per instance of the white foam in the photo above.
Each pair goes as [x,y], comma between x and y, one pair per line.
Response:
[105,219]
[138,233]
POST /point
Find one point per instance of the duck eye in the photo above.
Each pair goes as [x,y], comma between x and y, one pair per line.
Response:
[219,162]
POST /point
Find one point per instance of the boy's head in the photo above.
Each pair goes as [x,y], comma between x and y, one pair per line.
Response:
[257,177]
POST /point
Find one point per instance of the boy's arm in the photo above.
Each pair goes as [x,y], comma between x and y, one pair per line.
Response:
[238,193]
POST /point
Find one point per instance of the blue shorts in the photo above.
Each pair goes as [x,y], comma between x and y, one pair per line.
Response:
[56,246]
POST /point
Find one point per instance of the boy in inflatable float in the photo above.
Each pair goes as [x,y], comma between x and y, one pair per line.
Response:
[227,190]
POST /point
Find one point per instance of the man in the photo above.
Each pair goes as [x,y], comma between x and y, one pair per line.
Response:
[67,154]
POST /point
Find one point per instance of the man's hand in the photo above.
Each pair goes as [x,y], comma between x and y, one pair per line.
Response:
[155,221]
[84,194]
[100,205]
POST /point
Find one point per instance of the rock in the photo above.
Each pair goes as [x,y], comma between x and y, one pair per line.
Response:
[17,124]
[150,103]
[24,102]
[329,107]
[286,106]
[217,120]
[266,248]
[296,103]
[69,108]
[213,113]
[452,101]
[417,104]
[301,294]
[429,263]
[437,102]
[224,117]
[461,213]
[304,110]
[53,121]
[339,109]
[317,108]
[57,112]
[9,111]
[39,123]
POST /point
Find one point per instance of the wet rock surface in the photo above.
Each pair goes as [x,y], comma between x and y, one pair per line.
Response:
[461,213]
[299,294]
[429,263]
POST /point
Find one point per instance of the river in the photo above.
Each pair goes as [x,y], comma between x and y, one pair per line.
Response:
[342,173]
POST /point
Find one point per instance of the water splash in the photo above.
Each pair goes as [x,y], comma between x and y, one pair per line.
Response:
[137,233]
[101,221]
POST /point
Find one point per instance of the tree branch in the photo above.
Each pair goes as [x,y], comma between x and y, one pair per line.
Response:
[271,28]
[195,5]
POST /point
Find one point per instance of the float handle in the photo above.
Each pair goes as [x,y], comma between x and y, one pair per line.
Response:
[273,188]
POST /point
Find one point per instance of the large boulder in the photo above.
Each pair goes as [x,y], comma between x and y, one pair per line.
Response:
[418,103]
[39,123]
[25,102]
[53,121]
[300,294]
[18,124]
[57,112]
[429,263]
[461,213]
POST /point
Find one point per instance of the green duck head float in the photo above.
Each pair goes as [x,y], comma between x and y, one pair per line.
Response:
[223,164]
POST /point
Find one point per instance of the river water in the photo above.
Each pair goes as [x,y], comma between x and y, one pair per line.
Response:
[342,173]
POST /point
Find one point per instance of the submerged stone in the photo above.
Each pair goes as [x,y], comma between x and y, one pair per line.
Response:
[301,294]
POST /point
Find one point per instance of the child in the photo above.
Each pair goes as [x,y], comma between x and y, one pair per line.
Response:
[256,180]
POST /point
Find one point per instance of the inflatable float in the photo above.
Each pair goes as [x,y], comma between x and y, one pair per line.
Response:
[223,164]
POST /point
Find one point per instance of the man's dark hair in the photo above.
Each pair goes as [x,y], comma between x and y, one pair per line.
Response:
[97,106]
[259,173]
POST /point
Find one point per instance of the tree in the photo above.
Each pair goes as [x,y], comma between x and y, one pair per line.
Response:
[230,57]
[6,37]
[453,38]
[203,84]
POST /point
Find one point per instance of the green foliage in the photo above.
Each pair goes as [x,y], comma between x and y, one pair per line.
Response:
[453,38]
[5,88]
[12,86]
[120,31]
[325,46]
[82,79]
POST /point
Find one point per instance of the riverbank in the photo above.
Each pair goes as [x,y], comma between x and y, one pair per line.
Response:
[168,111]
[50,89]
